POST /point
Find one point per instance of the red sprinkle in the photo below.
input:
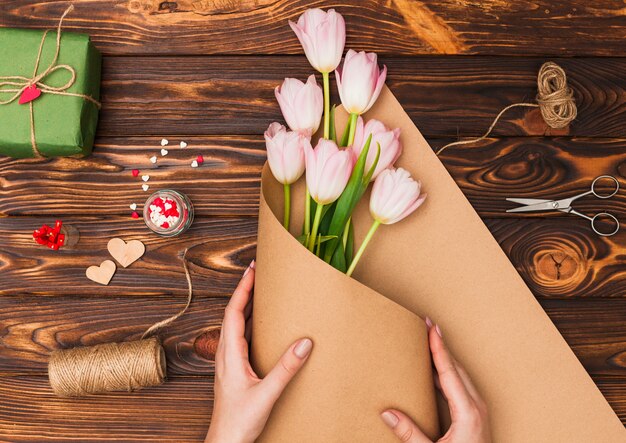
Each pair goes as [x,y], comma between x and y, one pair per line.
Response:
[134,215]
[200,159]
[135,172]
[165,225]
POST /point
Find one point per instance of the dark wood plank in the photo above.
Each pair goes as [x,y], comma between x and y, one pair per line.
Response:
[235,95]
[219,251]
[32,327]
[557,257]
[542,27]
[179,411]
[228,182]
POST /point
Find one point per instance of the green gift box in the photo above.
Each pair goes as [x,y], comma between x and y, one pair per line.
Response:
[62,120]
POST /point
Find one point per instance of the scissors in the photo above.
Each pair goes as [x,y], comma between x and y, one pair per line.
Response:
[565,205]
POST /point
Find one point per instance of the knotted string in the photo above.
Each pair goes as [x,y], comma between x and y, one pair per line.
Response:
[555,99]
[17,84]
[125,366]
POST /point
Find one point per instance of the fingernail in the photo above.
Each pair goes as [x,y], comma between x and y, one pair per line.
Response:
[438,329]
[390,419]
[429,322]
[250,266]
[253,264]
[303,348]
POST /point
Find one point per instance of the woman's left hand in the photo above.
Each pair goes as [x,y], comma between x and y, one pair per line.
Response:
[243,401]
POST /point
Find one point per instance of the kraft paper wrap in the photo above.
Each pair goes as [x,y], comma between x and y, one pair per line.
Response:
[370,347]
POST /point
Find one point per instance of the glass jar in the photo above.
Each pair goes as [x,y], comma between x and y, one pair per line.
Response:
[168,213]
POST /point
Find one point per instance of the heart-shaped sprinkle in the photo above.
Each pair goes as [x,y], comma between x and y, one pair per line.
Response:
[134,215]
[164,142]
[183,145]
[133,206]
[194,164]
[164,152]
[153,159]
[145,187]
[135,172]
[101,274]
[200,159]
[126,253]
[145,177]
[29,94]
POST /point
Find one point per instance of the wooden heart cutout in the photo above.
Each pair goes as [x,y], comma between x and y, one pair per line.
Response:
[126,253]
[102,274]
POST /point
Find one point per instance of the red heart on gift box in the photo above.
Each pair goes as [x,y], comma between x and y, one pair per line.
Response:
[29,94]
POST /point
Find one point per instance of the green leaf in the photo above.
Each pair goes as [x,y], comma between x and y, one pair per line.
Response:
[332,134]
[349,247]
[344,138]
[338,260]
[347,201]
[370,173]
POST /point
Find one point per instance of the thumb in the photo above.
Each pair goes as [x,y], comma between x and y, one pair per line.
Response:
[403,427]
[286,368]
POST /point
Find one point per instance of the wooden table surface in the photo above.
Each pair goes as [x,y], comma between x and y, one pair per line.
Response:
[203,71]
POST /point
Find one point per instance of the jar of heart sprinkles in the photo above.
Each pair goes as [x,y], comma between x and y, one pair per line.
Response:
[168,213]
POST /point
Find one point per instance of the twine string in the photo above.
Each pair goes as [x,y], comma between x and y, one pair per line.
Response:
[17,84]
[555,100]
[125,366]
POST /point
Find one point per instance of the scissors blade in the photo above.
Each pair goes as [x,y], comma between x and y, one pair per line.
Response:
[527,201]
[546,205]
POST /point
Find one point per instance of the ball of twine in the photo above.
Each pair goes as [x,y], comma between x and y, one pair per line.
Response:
[126,366]
[555,100]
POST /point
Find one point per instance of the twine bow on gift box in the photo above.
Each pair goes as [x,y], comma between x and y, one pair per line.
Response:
[27,90]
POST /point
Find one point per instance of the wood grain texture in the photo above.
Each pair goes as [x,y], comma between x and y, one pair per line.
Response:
[32,327]
[186,96]
[422,27]
[228,182]
[178,411]
[219,251]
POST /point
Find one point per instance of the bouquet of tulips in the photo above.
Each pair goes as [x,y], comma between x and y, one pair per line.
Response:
[340,168]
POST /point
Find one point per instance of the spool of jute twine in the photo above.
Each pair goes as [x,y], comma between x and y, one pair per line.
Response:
[126,366]
[555,100]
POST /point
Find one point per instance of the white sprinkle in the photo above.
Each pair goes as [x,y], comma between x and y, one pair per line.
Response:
[133,206]
[145,187]
[183,144]
[164,152]
[167,206]
[194,164]
[165,142]
[153,159]
[145,177]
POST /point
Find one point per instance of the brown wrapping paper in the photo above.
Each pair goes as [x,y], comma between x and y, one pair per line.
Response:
[370,347]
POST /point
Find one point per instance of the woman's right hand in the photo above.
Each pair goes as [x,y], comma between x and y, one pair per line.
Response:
[468,411]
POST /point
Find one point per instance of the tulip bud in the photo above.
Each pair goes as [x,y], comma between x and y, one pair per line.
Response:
[285,153]
[395,195]
[388,140]
[327,171]
[301,103]
[322,36]
[360,81]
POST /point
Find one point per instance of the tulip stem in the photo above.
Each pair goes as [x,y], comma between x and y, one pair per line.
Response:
[325,77]
[359,253]
[307,212]
[287,190]
[316,225]
[353,120]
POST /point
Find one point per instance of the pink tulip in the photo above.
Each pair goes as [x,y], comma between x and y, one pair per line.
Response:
[389,140]
[285,153]
[395,195]
[327,171]
[301,104]
[323,37]
[360,81]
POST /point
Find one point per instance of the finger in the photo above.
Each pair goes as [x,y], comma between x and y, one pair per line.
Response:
[403,427]
[286,368]
[234,320]
[451,383]
[467,381]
